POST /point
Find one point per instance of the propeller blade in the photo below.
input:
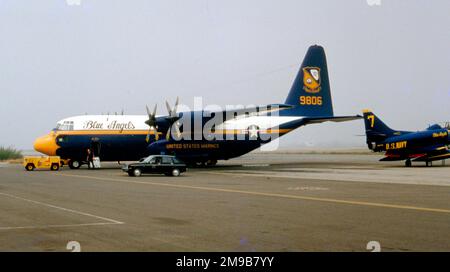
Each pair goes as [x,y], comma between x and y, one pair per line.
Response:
[177,129]
[148,136]
[169,110]
[173,111]
[151,122]
[155,131]
[176,106]
[154,111]
[168,134]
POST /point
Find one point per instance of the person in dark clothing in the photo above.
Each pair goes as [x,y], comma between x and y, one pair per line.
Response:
[90,158]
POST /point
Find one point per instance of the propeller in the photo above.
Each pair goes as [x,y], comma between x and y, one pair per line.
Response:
[172,111]
[151,122]
[173,119]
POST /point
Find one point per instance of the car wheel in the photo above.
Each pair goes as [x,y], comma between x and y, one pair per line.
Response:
[54,167]
[175,172]
[30,167]
[74,164]
[137,172]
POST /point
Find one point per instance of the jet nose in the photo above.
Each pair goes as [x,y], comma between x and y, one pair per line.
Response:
[46,144]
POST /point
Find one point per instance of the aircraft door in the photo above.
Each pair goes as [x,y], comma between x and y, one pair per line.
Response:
[96,147]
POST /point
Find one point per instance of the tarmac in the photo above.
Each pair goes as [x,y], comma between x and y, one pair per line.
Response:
[258,202]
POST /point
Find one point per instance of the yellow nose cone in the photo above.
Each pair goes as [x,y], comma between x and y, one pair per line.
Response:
[46,144]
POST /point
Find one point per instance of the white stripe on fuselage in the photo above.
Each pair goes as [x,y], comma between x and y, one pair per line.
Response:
[137,122]
[263,122]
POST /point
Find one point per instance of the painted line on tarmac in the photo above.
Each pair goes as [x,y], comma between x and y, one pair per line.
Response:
[109,220]
[58,226]
[318,199]
[329,176]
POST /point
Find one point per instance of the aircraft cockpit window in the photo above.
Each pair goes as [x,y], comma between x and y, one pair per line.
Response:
[66,125]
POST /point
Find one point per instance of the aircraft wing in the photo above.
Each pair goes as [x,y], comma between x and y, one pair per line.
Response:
[439,153]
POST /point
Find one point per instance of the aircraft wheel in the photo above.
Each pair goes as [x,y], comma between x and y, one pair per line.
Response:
[199,164]
[211,162]
[74,164]
[408,163]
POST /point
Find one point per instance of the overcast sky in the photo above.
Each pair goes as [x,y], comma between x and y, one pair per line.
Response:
[59,60]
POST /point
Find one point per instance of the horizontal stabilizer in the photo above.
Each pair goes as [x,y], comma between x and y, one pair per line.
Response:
[316,120]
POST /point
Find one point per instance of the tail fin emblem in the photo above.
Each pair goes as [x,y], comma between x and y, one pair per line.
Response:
[311,79]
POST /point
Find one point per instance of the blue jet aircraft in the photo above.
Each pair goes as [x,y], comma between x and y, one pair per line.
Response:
[426,146]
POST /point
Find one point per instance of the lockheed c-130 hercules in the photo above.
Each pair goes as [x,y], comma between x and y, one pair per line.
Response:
[222,135]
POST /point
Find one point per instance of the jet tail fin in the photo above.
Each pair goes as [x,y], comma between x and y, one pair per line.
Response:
[376,130]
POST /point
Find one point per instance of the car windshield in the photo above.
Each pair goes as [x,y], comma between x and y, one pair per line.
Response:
[148,159]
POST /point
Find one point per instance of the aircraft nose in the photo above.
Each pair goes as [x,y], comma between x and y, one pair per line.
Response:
[46,144]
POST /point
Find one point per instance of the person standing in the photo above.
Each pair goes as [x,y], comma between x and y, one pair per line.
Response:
[90,158]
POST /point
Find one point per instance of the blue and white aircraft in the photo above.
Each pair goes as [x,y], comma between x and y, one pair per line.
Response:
[219,135]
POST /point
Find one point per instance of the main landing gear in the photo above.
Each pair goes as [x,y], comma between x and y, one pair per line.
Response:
[199,164]
[211,162]
[74,164]
[408,163]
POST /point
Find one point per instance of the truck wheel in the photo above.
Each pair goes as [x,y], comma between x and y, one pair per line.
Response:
[74,164]
[54,167]
[30,167]
[137,172]
[175,172]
